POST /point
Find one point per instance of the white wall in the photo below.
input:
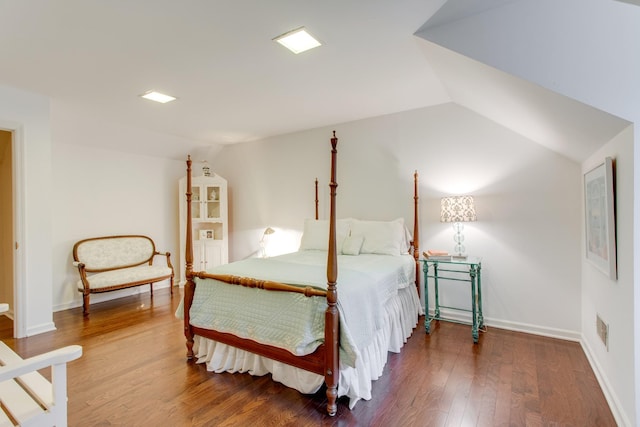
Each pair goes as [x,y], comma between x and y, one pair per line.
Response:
[610,298]
[99,192]
[528,201]
[28,115]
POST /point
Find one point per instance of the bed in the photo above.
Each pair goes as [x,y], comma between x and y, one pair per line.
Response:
[282,315]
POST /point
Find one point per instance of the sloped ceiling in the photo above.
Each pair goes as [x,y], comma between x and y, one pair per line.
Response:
[235,84]
[587,62]
[455,10]
[636,2]
[561,124]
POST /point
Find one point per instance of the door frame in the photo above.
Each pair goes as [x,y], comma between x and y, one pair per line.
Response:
[19,263]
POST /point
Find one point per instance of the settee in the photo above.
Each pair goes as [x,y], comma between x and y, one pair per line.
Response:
[118,262]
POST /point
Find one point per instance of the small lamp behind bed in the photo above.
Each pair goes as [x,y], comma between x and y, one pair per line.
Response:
[263,241]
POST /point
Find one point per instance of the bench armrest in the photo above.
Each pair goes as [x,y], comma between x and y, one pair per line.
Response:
[41,361]
[168,255]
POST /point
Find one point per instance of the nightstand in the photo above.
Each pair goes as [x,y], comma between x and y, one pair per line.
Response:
[449,271]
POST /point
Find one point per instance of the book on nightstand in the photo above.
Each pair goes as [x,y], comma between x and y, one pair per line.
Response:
[436,255]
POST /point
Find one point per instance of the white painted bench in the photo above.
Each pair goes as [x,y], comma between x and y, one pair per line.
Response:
[118,262]
[28,398]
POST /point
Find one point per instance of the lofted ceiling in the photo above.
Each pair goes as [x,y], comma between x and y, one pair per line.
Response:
[561,124]
[233,83]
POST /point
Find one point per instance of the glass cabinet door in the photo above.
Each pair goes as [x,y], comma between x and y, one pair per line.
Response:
[212,204]
[196,202]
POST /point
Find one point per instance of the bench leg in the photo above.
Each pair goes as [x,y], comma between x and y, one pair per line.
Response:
[85,304]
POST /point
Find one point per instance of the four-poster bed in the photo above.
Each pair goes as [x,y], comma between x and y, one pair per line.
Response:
[282,319]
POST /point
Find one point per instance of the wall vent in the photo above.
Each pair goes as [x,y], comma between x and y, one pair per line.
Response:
[603,331]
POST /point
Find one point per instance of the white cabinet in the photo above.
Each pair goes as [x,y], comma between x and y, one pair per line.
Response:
[209,219]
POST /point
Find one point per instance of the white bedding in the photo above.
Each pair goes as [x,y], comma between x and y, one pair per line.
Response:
[378,305]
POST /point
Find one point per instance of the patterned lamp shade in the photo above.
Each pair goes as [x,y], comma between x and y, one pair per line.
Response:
[457,209]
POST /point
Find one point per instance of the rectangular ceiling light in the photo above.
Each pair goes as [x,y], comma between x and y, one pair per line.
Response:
[158,97]
[298,40]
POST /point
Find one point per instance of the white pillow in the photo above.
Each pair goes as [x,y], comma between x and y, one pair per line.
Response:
[381,237]
[406,243]
[316,234]
[352,245]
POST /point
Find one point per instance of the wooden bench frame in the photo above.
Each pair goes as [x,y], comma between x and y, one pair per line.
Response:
[83,269]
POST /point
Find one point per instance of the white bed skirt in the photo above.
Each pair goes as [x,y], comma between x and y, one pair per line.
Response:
[401,318]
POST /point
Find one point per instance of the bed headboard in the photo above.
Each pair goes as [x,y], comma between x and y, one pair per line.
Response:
[416,229]
[317,199]
[189,237]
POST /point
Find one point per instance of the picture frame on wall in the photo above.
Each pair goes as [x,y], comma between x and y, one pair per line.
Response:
[600,220]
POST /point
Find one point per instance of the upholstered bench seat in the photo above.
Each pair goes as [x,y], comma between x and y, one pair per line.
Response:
[118,262]
[132,275]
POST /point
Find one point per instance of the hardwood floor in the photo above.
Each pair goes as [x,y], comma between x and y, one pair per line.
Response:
[134,373]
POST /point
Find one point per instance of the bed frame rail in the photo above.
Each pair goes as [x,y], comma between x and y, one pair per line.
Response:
[267,285]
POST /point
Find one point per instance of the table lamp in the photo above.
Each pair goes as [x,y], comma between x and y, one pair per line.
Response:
[263,250]
[458,209]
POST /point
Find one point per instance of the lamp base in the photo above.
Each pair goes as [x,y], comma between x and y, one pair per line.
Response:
[458,237]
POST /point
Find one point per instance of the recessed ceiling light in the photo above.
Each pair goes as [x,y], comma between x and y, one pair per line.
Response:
[298,40]
[158,97]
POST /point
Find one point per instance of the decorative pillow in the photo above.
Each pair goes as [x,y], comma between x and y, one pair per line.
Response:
[316,234]
[406,243]
[352,245]
[381,237]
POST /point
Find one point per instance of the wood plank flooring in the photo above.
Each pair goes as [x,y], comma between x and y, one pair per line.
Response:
[134,373]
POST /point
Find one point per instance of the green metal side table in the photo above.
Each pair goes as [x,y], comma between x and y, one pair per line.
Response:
[456,270]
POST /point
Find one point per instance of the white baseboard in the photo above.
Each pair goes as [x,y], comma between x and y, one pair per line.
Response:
[108,296]
[614,404]
[515,326]
[39,329]
[544,331]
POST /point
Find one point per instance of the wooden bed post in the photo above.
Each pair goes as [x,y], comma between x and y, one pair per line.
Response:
[316,199]
[416,230]
[189,287]
[332,319]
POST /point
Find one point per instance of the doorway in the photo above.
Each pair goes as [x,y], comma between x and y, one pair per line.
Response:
[6,232]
